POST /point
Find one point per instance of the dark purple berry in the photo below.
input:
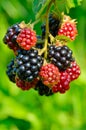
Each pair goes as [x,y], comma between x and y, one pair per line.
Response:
[42,89]
[11,36]
[54,23]
[60,56]
[11,71]
[28,64]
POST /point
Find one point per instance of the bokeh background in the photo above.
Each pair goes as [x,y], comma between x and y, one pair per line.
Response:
[26,110]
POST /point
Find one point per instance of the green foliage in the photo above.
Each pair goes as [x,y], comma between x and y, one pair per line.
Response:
[37,5]
[40,5]
[66,5]
[72,3]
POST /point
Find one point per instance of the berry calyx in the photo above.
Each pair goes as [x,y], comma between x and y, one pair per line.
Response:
[68,28]
[49,74]
[27,38]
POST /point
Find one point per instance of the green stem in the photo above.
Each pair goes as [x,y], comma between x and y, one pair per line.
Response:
[37,21]
[44,50]
[42,9]
[56,7]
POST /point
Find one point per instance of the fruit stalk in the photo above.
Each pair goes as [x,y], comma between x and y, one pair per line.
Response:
[44,50]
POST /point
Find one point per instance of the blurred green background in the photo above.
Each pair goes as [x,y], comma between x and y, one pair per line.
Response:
[26,110]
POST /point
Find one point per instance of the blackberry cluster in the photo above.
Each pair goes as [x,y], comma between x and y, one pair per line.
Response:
[60,56]
[11,71]
[28,64]
[54,23]
[11,36]
[43,89]
[46,65]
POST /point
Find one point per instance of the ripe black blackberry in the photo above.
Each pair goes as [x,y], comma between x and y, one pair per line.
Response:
[11,71]
[42,89]
[11,35]
[54,23]
[28,64]
[60,56]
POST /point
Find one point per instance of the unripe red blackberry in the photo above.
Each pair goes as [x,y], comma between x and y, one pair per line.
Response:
[11,71]
[28,64]
[24,85]
[43,89]
[68,28]
[49,74]
[60,56]
[53,26]
[63,85]
[11,36]
[27,38]
[74,71]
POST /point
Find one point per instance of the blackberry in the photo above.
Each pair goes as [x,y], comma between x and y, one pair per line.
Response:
[27,38]
[68,28]
[54,23]
[11,36]
[43,89]
[60,56]
[63,85]
[74,71]
[50,74]
[24,85]
[11,71]
[28,64]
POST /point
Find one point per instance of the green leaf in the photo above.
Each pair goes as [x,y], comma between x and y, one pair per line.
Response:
[72,4]
[37,4]
[67,4]
[39,7]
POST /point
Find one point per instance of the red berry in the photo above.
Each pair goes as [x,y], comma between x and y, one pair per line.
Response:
[63,84]
[49,74]
[27,38]
[68,28]
[25,85]
[74,71]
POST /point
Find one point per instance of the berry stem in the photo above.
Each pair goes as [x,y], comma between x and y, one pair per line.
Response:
[44,50]
[37,21]
[56,9]
[42,9]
